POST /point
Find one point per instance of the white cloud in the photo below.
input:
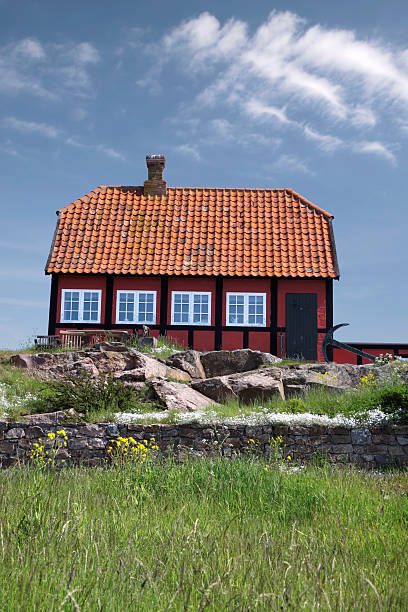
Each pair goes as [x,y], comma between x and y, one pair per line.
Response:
[325,141]
[225,130]
[258,109]
[101,148]
[189,150]
[289,163]
[84,53]
[31,127]
[363,117]
[50,131]
[29,48]
[287,70]
[47,70]
[377,148]
[204,37]
[9,149]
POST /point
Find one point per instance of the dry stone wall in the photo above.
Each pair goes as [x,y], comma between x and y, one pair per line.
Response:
[87,443]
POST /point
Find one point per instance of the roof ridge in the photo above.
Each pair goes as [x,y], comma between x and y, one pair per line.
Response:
[84,198]
[303,199]
[202,188]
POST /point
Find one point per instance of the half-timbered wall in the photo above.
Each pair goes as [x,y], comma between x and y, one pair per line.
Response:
[217,335]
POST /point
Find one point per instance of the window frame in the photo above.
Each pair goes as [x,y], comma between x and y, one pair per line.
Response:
[246,295]
[191,295]
[81,306]
[136,293]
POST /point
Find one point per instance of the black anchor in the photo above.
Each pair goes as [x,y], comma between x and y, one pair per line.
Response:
[328,340]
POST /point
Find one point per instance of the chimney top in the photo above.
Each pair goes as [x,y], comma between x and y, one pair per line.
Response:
[155,185]
[153,157]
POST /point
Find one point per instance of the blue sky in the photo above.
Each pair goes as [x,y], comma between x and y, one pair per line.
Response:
[312,96]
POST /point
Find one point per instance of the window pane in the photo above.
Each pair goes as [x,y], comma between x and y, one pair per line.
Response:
[181,308]
[256,310]
[91,306]
[236,310]
[146,313]
[126,306]
[201,309]
[71,306]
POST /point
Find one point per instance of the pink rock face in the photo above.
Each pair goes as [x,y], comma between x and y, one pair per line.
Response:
[188,361]
[222,363]
[94,362]
[247,387]
[31,361]
[177,396]
[46,418]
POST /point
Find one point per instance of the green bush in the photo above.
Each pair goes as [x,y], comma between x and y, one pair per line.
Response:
[86,395]
[294,405]
[394,401]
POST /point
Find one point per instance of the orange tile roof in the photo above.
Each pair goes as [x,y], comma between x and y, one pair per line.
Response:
[205,232]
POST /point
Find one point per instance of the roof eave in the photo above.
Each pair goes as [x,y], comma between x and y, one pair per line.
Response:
[52,244]
[333,243]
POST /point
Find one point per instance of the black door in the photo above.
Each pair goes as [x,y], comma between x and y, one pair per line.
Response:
[301,325]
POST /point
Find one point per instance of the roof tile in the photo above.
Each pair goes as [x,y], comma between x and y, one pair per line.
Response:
[231,232]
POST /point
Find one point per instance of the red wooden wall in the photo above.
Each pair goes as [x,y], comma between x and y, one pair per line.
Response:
[203,339]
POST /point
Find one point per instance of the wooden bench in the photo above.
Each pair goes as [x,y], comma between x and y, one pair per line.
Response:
[44,342]
[88,337]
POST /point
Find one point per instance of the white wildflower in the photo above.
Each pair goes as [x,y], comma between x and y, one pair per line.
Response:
[260,417]
[10,400]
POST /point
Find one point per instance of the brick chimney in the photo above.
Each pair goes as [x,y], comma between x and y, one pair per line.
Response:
[155,186]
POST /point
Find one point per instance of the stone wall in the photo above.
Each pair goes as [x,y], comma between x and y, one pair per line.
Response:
[87,443]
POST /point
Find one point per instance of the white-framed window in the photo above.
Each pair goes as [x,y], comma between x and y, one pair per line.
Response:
[190,308]
[246,309]
[81,305]
[136,307]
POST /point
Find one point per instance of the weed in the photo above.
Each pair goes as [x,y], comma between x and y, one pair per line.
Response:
[85,394]
[49,454]
[210,534]
[124,451]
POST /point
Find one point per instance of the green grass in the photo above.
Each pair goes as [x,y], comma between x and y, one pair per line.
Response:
[16,387]
[353,403]
[165,348]
[208,534]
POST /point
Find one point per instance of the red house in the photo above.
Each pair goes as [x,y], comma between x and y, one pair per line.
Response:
[211,268]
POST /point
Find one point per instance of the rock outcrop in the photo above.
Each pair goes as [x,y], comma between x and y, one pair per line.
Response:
[223,363]
[247,387]
[180,397]
[244,374]
[129,363]
[188,361]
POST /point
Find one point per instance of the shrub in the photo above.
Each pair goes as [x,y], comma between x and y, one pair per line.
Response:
[86,395]
[294,405]
[394,401]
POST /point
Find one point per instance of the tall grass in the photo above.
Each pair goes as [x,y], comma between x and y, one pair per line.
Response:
[208,534]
